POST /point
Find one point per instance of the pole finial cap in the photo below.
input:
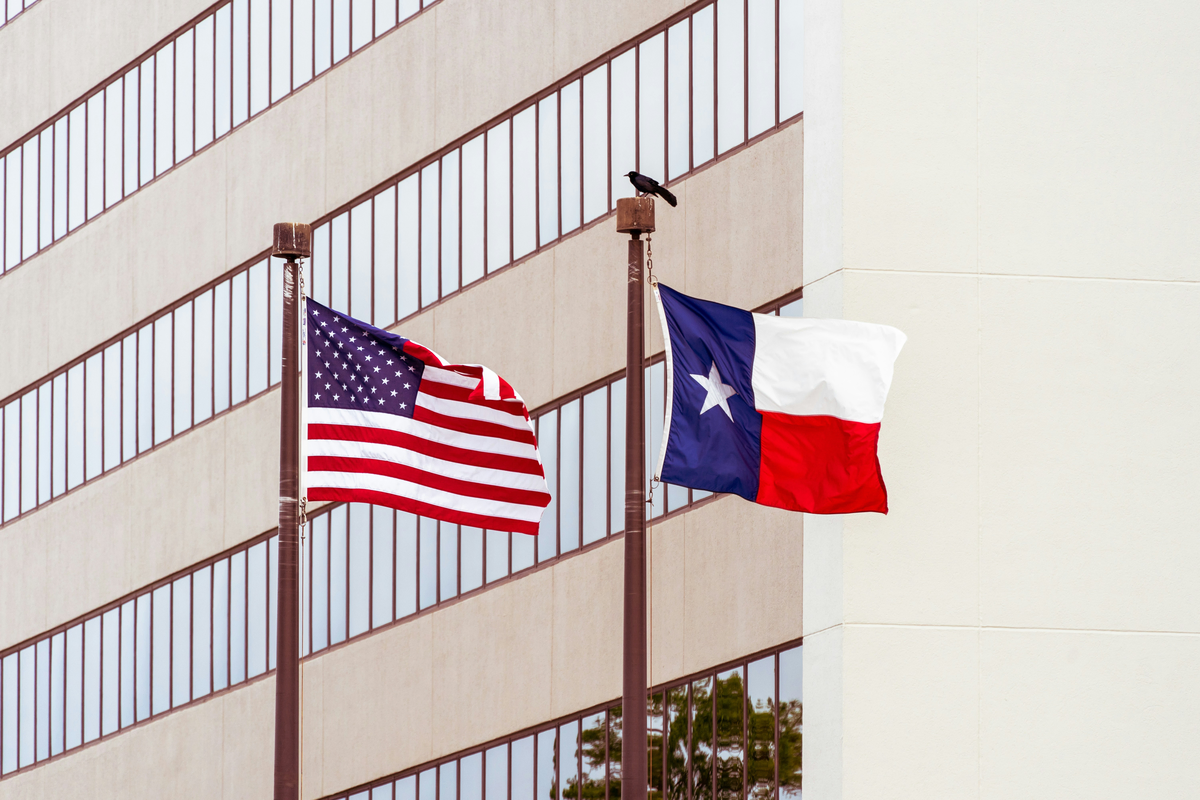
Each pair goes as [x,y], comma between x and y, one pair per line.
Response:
[292,240]
[635,215]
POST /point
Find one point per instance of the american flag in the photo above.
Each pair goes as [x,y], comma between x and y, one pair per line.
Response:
[389,422]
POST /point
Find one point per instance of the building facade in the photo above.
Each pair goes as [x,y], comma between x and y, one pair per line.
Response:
[1019,624]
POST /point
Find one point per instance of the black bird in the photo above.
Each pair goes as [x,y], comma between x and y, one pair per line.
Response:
[646,185]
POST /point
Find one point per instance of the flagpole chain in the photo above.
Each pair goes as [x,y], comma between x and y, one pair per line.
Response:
[650,279]
[654,484]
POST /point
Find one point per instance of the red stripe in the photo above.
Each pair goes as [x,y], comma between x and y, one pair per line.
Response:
[390,469]
[424,509]
[462,394]
[823,465]
[422,352]
[476,426]
[417,444]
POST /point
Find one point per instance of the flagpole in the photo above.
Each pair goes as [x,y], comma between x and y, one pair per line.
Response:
[635,216]
[292,242]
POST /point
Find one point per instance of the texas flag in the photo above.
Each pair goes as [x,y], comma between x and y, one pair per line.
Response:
[784,412]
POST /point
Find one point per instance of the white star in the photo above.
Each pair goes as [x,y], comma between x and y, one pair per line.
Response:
[316,397]
[389,363]
[377,369]
[327,386]
[406,386]
[385,381]
[393,393]
[398,374]
[368,358]
[318,375]
[336,396]
[381,401]
[412,369]
[404,405]
[345,329]
[352,339]
[718,392]
[323,324]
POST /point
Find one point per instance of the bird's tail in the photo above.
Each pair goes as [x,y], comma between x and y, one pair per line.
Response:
[666,195]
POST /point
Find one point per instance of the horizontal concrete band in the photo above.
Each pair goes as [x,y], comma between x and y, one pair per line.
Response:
[314,151]
[497,662]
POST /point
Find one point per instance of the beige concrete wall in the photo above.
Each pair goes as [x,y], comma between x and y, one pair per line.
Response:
[1007,185]
[57,51]
[335,139]
[221,479]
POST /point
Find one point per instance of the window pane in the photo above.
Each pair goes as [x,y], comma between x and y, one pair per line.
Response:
[113,143]
[731,112]
[522,769]
[275,321]
[547,438]
[272,598]
[595,143]
[302,39]
[45,414]
[237,614]
[181,635]
[791,58]
[498,187]
[202,360]
[428,555]
[223,80]
[448,781]
[450,223]
[703,83]
[523,548]
[385,257]
[112,406]
[595,465]
[281,51]
[385,16]
[760,727]
[339,261]
[524,187]
[448,560]
[652,108]
[240,316]
[702,739]
[338,566]
[95,154]
[220,616]
[162,378]
[496,772]
[729,735]
[42,743]
[260,43]
[128,660]
[429,234]
[616,480]
[382,564]
[406,564]
[61,149]
[142,655]
[323,49]
[470,779]
[471,557]
[407,252]
[76,171]
[259,300]
[11,499]
[677,751]
[129,397]
[497,555]
[360,261]
[160,648]
[201,661]
[241,61]
[791,722]
[472,210]
[221,346]
[360,568]
[145,124]
[592,746]
[568,477]
[204,81]
[546,758]
[93,415]
[548,169]
[623,124]
[46,189]
[182,393]
[341,29]
[75,418]
[8,723]
[27,705]
[185,79]
[568,760]
[760,30]
[29,450]
[320,583]
[655,409]
[256,610]
[164,116]
[679,131]
[570,154]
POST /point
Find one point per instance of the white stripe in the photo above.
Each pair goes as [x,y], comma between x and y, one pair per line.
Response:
[425,430]
[449,469]
[447,376]
[463,410]
[662,317]
[823,367]
[425,494]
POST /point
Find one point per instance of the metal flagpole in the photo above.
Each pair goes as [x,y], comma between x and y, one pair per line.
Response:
[292,242]
[635,216]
